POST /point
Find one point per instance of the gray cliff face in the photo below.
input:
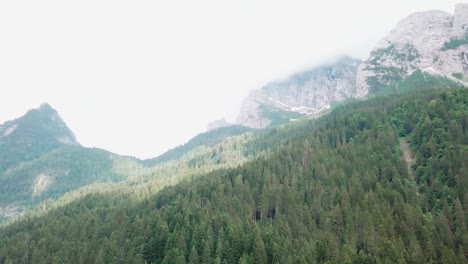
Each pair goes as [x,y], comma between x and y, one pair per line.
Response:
[460,21]
[433,41]
[306,93]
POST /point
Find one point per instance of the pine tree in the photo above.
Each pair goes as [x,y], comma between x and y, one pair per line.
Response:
[193,258]
[259,253]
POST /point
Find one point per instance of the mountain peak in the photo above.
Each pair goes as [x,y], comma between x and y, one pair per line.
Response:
[434,42]
[45,105]
[38,131]
[44,108]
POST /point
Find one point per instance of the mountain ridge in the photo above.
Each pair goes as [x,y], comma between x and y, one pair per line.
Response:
[419,42]
[336,189]
[38,131]
[41,159]
[382,180]
[434,42]
[306,93]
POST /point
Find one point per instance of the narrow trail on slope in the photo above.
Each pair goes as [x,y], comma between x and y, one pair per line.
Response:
[405,148]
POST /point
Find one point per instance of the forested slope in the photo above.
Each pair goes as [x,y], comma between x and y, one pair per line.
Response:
[336,189]
[62,170]
[207,139]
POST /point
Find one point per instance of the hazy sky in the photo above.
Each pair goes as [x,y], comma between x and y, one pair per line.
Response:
[138,77]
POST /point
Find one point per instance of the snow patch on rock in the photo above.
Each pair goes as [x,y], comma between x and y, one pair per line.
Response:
[67,140]
[9,130]
[11,210]
[41,184]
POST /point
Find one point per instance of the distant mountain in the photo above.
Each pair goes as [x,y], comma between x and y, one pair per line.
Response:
[306,93]
[344,188]
[382,180]
[41,159]
[430,48]
[38,131]
[433,42]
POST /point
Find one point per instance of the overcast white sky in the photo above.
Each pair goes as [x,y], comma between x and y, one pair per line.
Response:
[138,77]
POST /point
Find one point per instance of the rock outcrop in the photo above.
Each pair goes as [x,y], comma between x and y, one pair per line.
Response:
[305,93]
[435,42]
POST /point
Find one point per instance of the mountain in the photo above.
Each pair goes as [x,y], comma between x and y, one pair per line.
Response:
[306,93]
[433,42]
[38,131]
[430,47]
[41,159]
[382,180]
[375,181]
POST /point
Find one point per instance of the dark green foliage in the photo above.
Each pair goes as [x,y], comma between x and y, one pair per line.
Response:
[385,76]
[455,43]
[65,169]
[417,81]
[331,190]
[391,80]
[440,139]
[278,116]
[409,53]
[458,75]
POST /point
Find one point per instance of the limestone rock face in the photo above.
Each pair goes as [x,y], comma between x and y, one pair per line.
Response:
[460,21]
[305,93]
[431,41]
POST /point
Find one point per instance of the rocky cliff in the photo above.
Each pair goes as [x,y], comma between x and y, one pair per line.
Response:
[302,94]
[432,42]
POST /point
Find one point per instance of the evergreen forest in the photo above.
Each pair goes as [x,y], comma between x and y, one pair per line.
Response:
[378,181]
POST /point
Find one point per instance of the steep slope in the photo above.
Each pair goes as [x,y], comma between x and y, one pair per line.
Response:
[38,131]
[207,139]
[72,171]
[336,190]
[302,94]
[59,171]
[40,159]
[434,42]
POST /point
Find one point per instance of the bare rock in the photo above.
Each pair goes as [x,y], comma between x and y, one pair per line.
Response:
[305,93]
